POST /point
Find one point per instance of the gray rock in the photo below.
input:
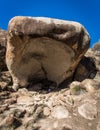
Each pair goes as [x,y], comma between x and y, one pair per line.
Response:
[42,48]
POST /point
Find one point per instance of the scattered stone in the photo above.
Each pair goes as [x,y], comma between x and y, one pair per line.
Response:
[90,85]
[27,100]
[23,91]
[76,89]
[60,112]
[46,111]
[88,111]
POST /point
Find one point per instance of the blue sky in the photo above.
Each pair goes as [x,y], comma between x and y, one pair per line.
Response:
[87,12]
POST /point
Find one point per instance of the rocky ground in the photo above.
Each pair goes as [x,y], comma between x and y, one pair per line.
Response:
[74,105]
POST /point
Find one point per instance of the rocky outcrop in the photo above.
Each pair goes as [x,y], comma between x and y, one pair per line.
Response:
[44,48]
[3,42]
[43,106]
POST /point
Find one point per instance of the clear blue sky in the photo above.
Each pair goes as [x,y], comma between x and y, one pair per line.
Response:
[87,12]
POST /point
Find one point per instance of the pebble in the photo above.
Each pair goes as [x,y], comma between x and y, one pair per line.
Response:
[46,111]
[27,100]
[75,88]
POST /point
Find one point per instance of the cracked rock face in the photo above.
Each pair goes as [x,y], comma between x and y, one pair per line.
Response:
[44,48]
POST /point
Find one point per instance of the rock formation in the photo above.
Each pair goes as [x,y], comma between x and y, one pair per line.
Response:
[44,48]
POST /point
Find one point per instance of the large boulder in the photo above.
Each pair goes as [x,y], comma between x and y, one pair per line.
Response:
[44,48]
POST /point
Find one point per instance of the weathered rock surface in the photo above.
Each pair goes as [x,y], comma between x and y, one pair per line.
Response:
[44,48]
[3,42]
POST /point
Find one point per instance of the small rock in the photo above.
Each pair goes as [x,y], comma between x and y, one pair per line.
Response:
[60,112]
[27,100]
[98,126]
[75,88]
[88,111]
[90,85]
[23,91]
[46,111]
